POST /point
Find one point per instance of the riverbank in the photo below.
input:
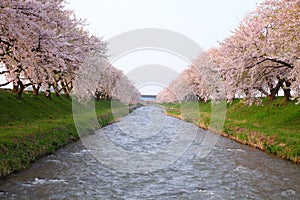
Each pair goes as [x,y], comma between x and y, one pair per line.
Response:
[274,127]
[34,126]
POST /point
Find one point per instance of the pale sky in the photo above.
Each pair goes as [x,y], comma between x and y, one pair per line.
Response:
[204,21]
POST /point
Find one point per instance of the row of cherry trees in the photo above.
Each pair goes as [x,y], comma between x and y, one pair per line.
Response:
[261,57]
[42,46]
[103,81]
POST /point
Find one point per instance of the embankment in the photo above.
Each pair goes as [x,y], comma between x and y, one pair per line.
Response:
[273,127]
[34,126]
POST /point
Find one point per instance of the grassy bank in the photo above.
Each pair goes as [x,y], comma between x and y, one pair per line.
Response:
[34,126]
[274,127]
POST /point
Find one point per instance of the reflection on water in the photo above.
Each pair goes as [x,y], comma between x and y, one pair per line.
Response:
[230,171]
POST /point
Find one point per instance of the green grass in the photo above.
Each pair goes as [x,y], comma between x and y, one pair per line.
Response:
[34,126]
[273,127]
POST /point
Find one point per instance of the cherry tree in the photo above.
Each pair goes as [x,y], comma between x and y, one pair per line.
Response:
[98,79]
[262,55]
[179,90]
[125,91]
[41,45]
[166,95]
[108,78]
[200,81]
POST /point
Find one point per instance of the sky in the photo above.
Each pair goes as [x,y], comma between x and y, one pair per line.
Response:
[206,22]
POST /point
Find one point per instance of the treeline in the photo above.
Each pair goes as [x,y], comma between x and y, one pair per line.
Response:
[260,58]
[43,45]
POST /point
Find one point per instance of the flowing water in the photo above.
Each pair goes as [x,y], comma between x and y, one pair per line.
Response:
[229,171]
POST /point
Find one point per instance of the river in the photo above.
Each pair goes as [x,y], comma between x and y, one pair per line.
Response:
[229,171]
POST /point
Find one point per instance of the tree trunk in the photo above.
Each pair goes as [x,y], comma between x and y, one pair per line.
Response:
[97,95]
[287,95]
[35,90]
[67,93]
[57,93]
[274,91]
[47,92]
[18,88]
[69,87]
[20,91]
[66,88]
[15,88]
[247,94]
[271,97]
[287,91]
[56,90]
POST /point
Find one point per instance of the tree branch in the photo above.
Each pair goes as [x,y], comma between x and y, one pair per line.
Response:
[4,84]
[272,60]
[3,72]
[263,91]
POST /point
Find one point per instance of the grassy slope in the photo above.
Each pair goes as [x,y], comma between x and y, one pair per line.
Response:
[273,127]
[34,126]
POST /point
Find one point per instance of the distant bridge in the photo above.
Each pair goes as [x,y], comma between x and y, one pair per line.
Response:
[148,98]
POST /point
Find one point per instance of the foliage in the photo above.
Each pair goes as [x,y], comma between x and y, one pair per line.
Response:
[43,46]
[261,57]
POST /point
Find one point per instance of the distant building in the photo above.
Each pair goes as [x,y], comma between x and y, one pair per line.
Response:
[148,98]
